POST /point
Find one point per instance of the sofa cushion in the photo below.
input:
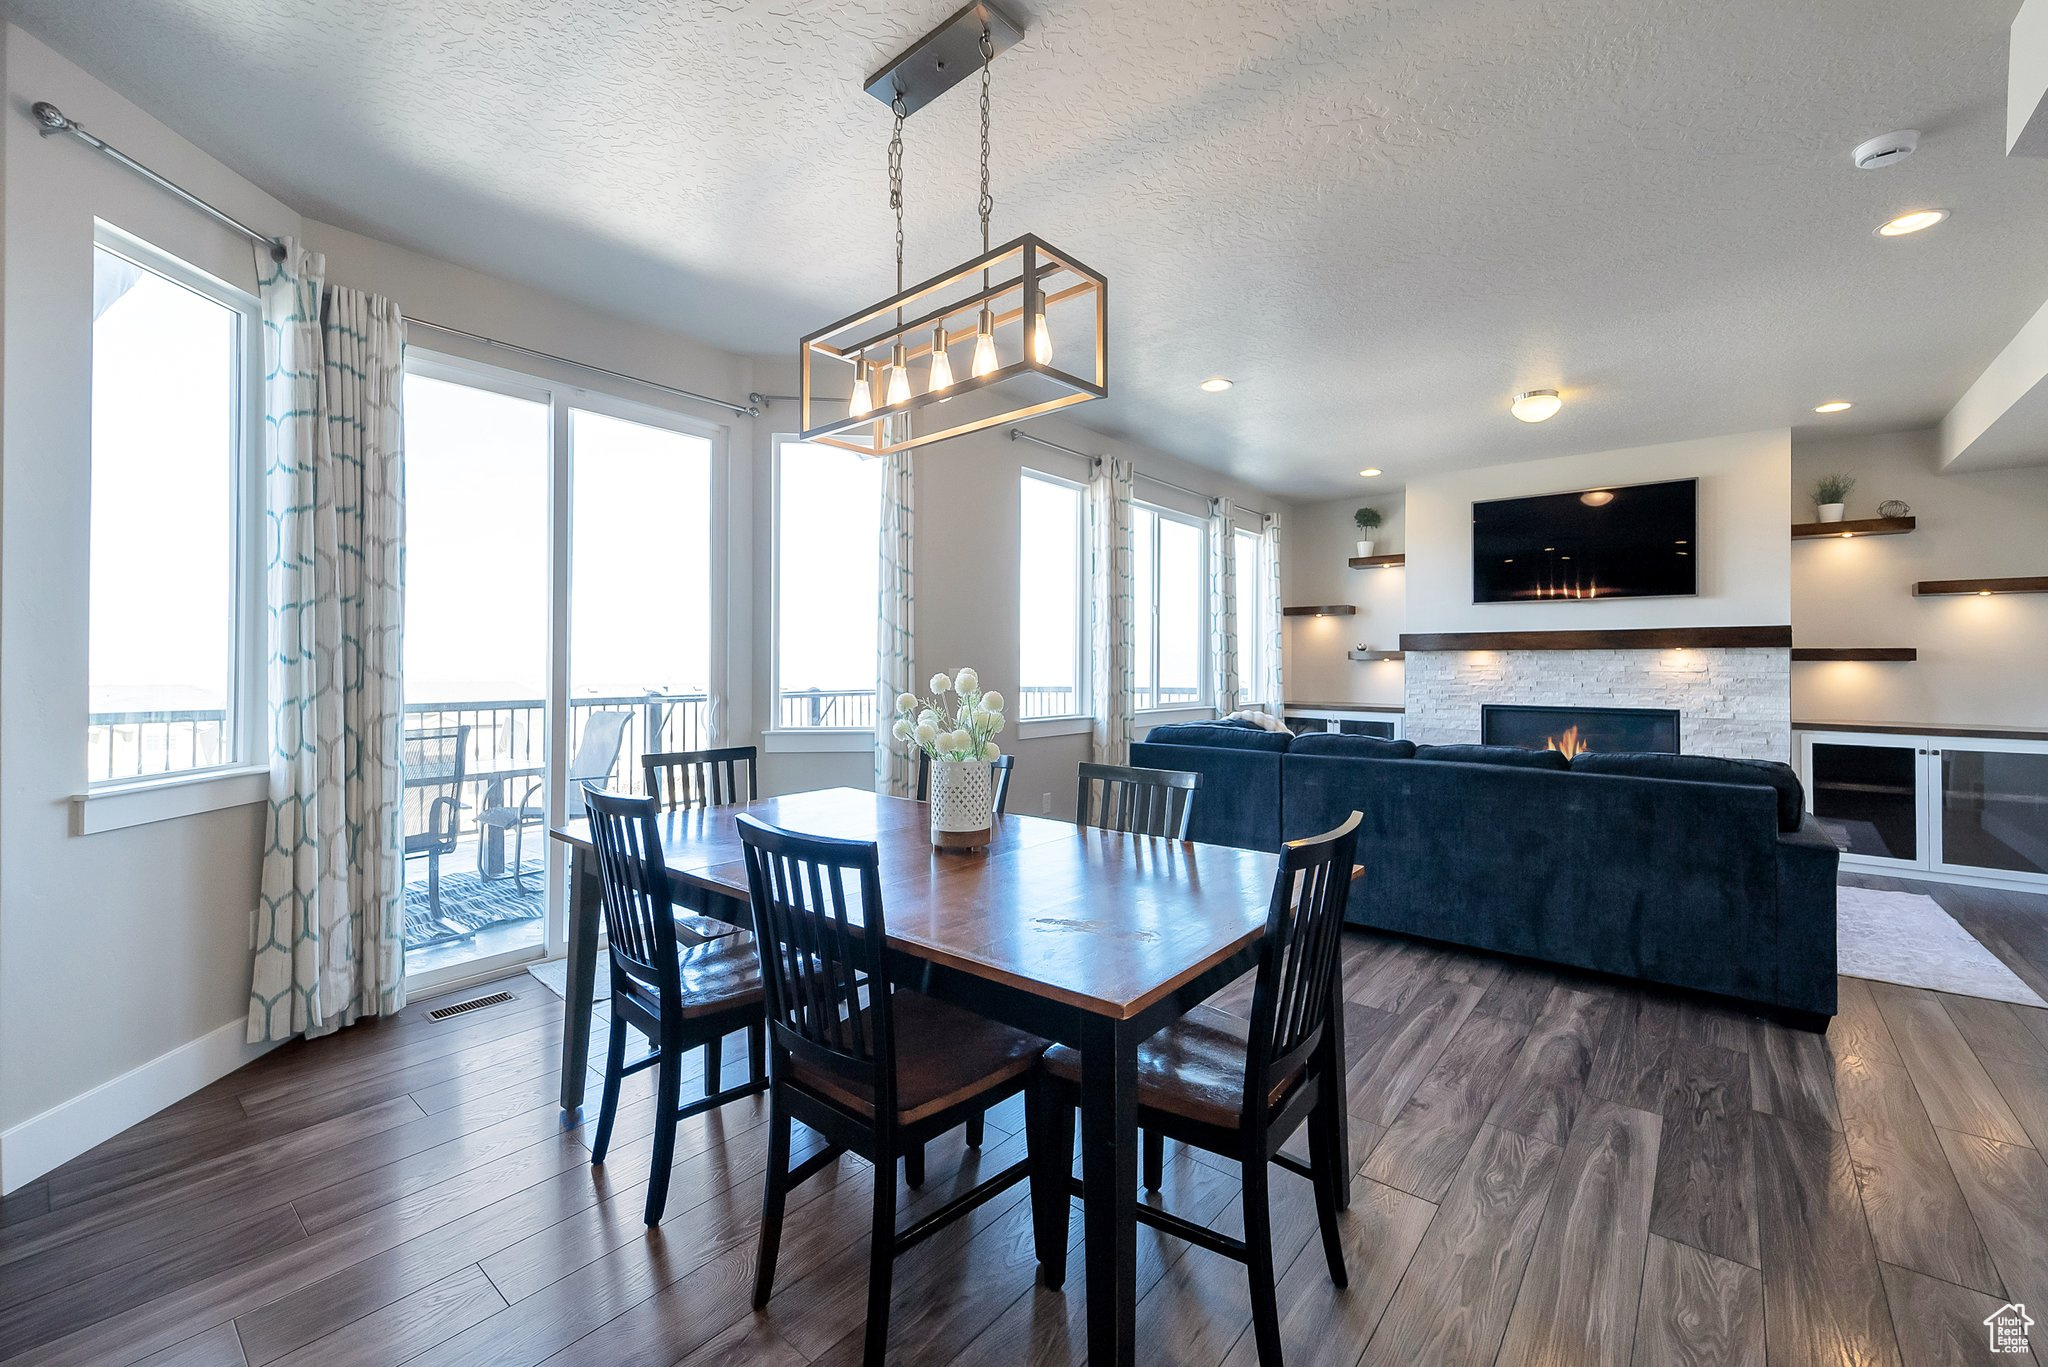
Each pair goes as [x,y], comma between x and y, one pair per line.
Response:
[1509,756]
[1764,773]
[1358,747]
[1218,737]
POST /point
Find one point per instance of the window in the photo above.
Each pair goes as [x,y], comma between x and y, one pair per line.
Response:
[827,584]
[173,636]
[1254,631]
[1052,587]
[1170,597]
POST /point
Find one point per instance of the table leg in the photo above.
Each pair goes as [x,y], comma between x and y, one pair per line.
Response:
[1337,1064]
[1109,1188]
[586,905]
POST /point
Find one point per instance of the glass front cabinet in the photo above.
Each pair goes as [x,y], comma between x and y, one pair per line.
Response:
[1968,809]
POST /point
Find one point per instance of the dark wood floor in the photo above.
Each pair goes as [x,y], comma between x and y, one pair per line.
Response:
[1553,1170]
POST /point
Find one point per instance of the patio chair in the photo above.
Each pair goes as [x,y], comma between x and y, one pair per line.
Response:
[434,766]
[603,734]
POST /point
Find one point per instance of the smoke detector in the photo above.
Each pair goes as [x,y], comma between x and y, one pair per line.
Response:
[1888,150]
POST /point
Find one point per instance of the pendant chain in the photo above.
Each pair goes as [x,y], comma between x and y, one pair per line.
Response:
[896,185]
[987,204]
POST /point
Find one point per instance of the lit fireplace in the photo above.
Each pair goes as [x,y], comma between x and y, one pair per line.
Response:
[1577,730]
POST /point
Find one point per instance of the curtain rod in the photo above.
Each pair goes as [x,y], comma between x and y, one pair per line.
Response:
[51,121]
[1017,434]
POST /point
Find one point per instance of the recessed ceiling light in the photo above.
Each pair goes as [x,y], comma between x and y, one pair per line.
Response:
[1833,406]
[1215,384]
[1917,221]
[1372,472]
[1535,405]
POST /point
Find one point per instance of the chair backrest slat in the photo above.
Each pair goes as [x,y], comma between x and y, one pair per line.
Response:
[638,909]
[1118,797]
[702,778]
[821,944]
[1300,956]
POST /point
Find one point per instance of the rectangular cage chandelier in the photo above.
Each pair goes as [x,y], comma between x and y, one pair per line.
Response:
[1029,323]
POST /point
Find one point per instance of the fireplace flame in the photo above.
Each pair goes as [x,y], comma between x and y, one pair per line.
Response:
[1569,744]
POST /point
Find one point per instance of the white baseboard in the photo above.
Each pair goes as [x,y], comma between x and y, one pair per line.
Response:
[66,1130]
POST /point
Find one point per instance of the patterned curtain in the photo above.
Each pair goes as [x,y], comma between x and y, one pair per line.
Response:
[896,628]
[329,928]
[1114,623]
[1269,690]
[1223,624]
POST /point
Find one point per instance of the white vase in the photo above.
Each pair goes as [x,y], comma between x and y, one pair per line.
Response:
[962,803]
[1364,549]
[1829,512]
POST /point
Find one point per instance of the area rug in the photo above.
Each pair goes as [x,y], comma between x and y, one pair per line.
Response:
[553,974]
[1906,938]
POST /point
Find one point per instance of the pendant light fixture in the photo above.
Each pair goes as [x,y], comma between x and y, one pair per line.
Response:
[1006,301]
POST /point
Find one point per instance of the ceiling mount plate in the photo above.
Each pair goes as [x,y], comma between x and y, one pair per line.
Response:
[943,58]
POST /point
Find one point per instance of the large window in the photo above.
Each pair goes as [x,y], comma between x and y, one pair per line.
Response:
[1052,597]
[1170,595]
[1254,629]
[827,570]
[173,638]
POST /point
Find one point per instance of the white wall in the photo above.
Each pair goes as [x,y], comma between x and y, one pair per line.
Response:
[1982,660]
[1318,540]
[1744,553]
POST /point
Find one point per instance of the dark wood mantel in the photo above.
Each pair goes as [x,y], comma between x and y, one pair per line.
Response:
[1639,638]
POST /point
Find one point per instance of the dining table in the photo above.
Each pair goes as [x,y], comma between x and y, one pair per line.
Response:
[1088,937]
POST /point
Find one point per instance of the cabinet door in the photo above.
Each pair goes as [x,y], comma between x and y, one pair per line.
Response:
[1991,807]
[1865,791]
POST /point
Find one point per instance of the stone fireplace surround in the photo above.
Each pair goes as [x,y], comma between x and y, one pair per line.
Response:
[1733,701]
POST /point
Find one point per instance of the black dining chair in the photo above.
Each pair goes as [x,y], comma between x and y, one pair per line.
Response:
[1003,765]
[876,1069]
[1118,797]
[1242,1088]
[681,995]
[702,778]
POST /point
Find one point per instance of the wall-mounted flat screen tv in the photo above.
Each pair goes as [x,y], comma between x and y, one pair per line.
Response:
[1621,541]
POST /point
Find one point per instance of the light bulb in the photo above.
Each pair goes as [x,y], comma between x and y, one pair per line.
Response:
[942,364]
[863,400]
[1041,340]
[984,347]
[899,378]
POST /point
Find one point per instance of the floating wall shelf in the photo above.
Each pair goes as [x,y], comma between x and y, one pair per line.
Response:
[1321,610]
[1869,526]
[1633,638]
[1384,562]
[1872,654]
[1939,588]
[1367,656]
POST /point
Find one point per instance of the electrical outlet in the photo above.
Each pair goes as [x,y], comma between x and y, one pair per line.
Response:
[1045,804]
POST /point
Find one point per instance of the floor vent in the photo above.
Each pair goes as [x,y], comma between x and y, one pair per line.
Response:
[443,1013]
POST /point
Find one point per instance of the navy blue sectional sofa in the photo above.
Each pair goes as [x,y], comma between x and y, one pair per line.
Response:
[1686,870]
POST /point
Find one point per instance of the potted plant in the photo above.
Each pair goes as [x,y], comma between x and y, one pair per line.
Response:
[959,738]
[1368,519]
[1830,495]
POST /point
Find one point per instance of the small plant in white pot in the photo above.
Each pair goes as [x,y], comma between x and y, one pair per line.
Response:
[1831,496]
[1368,520]
[959,737]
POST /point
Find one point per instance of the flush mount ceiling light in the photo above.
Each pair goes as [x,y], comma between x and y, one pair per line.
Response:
[1372,472]
[1833,406]
[1536,405]
[1597,498]
[1004,301]
[1215,384]
[1918,221]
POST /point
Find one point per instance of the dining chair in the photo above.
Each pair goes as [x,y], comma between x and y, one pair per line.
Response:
[874,1068]
[1242,1088]
[596,755]
[702,778]
[1117,797]
[680,995]
[1001,764]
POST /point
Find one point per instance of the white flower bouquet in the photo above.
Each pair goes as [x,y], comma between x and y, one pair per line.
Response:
[965,729]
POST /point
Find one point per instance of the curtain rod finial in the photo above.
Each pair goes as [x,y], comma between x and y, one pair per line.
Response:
[49,118]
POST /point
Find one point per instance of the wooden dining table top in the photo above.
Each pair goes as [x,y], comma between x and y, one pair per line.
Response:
[1099,920]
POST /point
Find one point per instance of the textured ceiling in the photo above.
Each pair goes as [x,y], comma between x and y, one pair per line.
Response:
[1380,218]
